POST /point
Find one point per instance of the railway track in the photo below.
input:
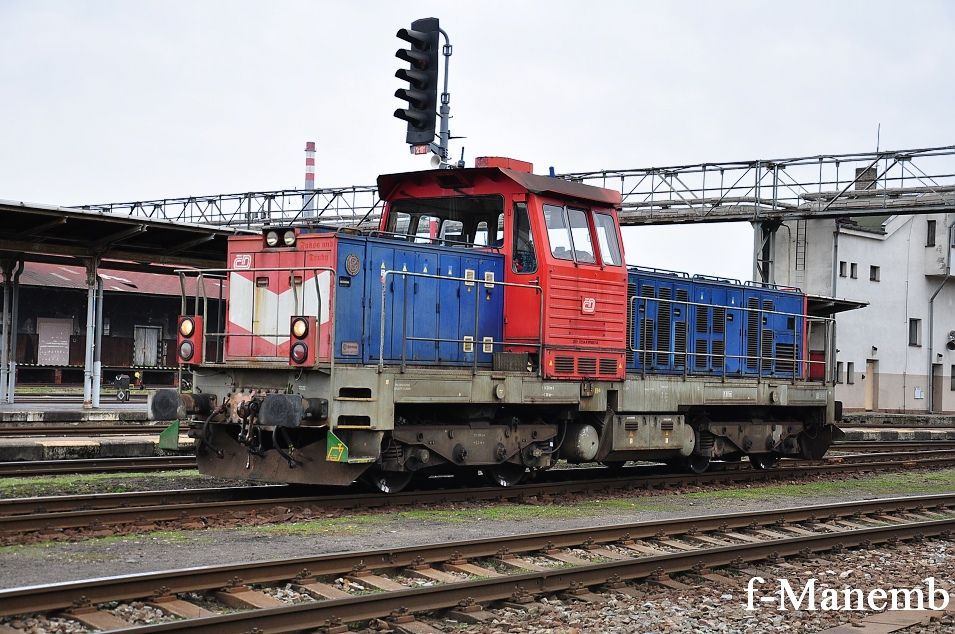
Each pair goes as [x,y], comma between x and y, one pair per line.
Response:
[892,445]
[96,465]
[25,520]
[339,589]
[164,463]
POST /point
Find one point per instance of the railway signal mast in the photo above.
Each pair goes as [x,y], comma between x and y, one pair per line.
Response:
[422,92]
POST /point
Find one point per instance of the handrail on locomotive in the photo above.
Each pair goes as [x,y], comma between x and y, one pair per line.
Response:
[829,327]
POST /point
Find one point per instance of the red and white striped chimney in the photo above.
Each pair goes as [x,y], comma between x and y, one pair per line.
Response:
[309,177]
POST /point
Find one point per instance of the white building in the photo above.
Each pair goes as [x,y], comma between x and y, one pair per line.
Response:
[897,354]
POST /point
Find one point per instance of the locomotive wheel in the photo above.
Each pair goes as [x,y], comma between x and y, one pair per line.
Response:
[506,474]
[616,467]
[696,463]
[763,460]
[388,481]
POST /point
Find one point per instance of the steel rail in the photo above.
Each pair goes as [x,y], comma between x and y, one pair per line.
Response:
[92,501]
[26,516]
[359,608]
[96,465]
[56,596]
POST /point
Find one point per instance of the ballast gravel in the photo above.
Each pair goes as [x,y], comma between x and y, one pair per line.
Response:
[711,608]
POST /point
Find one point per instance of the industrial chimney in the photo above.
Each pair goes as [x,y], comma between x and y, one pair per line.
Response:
[308,200]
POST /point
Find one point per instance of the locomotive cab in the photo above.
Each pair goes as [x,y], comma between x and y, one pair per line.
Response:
[559,240]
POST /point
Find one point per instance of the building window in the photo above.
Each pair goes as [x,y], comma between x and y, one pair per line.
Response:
[953,378]
[874,273]
[915,332]
[850,373]
[930,234]
[838,371]
[842,269]
[854,271]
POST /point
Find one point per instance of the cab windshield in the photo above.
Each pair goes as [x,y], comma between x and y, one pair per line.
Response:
[465,221]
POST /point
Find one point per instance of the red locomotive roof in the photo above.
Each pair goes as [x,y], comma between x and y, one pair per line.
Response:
[458,179]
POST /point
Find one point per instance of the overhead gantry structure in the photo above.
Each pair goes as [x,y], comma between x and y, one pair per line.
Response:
[764,192]
[767,193]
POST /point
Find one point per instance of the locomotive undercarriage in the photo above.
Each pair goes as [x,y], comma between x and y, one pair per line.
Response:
[260,424]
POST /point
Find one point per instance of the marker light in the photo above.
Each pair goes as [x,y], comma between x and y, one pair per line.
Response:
[299,328]
[299,352]
[187,327]
[186,350]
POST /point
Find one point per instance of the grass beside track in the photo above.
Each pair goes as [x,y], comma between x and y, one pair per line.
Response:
[40,550]
[609,506]
[32,486]
[902,483]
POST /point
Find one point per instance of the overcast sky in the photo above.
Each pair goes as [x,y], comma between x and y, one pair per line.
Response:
[115,101]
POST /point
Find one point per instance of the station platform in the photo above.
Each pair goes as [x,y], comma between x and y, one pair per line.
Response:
[39,411]
[889,434]
[80,447]
[880,419]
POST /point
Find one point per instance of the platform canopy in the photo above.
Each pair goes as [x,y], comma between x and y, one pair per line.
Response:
[822,306]
[49,233]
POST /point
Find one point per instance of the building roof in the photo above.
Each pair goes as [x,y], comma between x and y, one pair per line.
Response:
[74,277]
[31,229]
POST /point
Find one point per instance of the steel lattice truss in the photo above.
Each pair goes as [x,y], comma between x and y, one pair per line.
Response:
[344,206]
[837,185]
[891,182]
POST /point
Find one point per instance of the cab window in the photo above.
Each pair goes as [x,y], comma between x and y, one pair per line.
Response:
[558,232]
[452,233]
[607,239]
[524,258]
[458,221]
[428,227]
[568,231]
[580,232]
[400,222]
[490,236]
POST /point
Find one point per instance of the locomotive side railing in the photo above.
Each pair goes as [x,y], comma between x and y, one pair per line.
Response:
[798,361]
[405,338]
[299,299]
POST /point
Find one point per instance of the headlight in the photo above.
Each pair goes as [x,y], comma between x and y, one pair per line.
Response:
[299,328]
[299,352]
[272,239]
[288,238]
[186,350]
[186,327]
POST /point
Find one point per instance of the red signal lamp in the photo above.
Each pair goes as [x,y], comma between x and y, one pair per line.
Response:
[303,333]
[189,337]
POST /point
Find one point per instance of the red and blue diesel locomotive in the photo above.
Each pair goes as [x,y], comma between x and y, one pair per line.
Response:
[490,324]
